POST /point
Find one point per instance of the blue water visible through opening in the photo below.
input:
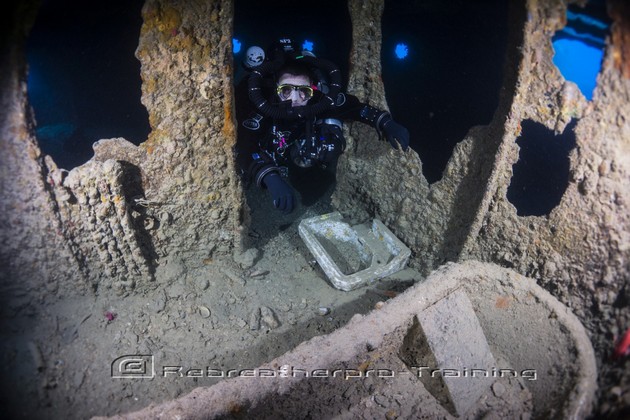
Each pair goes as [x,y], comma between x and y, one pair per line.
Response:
[236,46]
[579,46]
[308,45]
[401,51]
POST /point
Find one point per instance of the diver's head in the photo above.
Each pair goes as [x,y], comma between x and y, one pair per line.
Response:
[296,84]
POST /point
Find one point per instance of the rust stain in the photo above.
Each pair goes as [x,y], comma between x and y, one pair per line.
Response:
[234,407]
[363,366]
[619,11]
[503,302]
[228,123]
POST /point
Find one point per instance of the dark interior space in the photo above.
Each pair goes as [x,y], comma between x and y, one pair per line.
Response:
[327,26]
[84,80]
[450,78]
[541,175]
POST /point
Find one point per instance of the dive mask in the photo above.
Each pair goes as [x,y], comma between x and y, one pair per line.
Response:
[286,90]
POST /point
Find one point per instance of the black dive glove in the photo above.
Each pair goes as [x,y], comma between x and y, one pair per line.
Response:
[396,134]
[281,192]
[381,120]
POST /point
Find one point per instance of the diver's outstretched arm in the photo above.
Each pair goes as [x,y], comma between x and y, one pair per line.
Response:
[349,107]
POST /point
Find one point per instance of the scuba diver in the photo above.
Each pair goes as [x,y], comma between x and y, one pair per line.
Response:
[296,123]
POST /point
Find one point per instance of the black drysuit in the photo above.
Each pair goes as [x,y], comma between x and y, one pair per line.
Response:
[266,145]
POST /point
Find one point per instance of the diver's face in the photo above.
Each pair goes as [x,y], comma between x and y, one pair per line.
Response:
[297,96]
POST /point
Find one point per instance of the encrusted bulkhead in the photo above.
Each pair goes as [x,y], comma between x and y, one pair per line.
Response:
[103,227]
